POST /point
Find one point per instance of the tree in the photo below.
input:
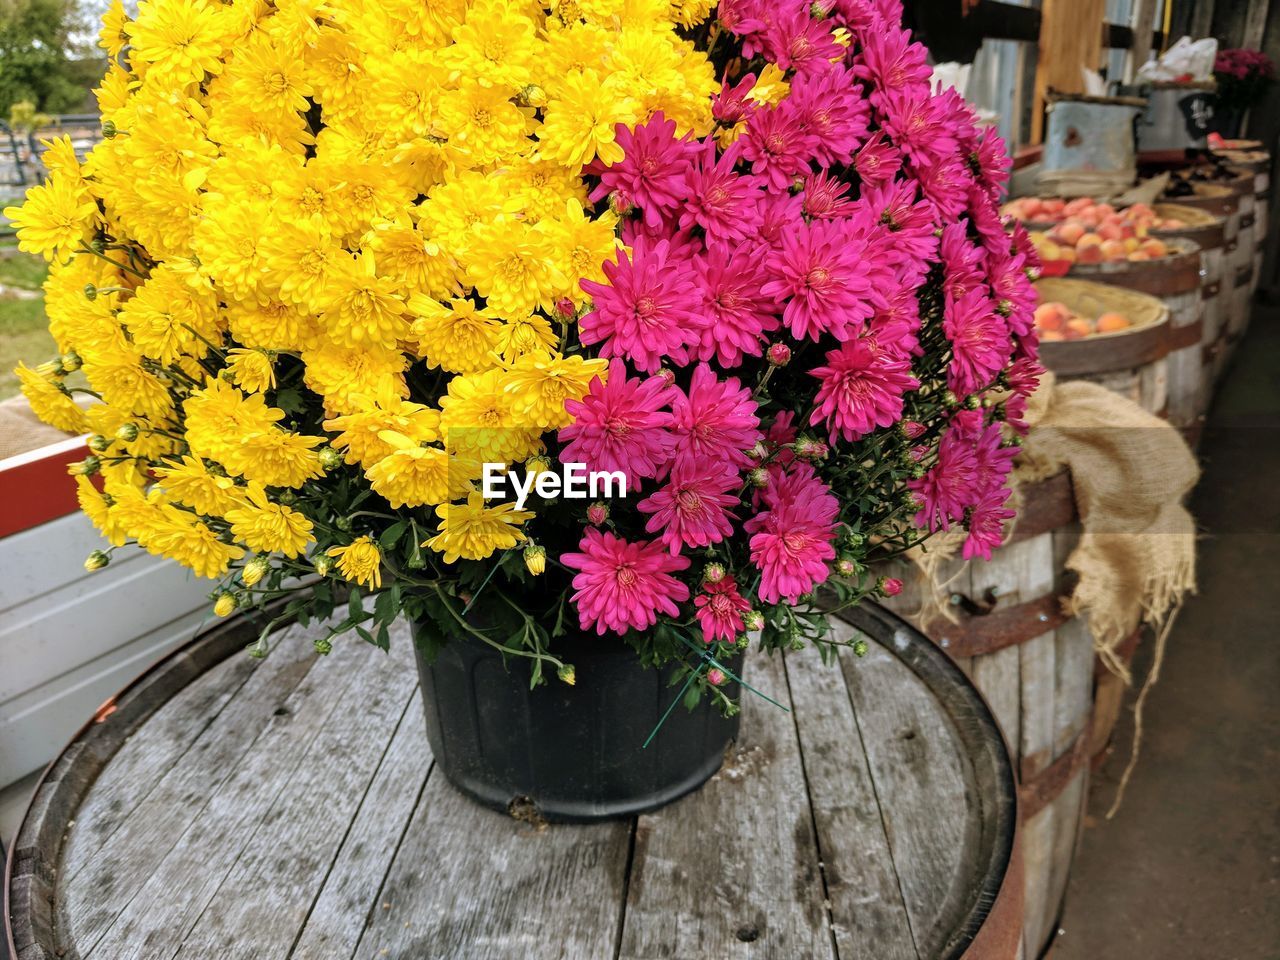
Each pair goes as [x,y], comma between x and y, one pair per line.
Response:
[38,57]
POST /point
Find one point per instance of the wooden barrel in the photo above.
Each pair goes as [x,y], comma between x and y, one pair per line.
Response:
[1257,163]
[1133,363]
[1239,269]
[1175,281]
[1035,666]
[289,807]
[1208,232]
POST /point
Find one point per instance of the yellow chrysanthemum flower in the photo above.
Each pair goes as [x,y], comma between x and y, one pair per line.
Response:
[49,402]
[581,118]
[531,334]
[189,481]
[56,219]
[113,36]
[360,562]
[496,43]
[539,386]
[473,531]
[251,370]
[479,420]
[459,338]
[360,433]
[176,41]
[98,509]
[167,318]
[267,527]
[484,123]
[414,474]
[363,308]
[512,269]
[341,374]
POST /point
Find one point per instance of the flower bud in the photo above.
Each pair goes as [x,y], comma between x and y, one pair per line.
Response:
[567,674]
[225,605]
[323,645]
[86,467]
[852,539]
[911,429]
[98,443]
[974,402]
[96,561]
[618,205]
[1004,308]
[779,354]
[759,477]
[846,567]
[330,459]
[597,513]
[860,647]
[537,465]
[127,433]
[759,451]
[809,448]
[97,245]
[666,375]
[109,129]
[713,573]
[255,570]
[90,292]
[950,399]
[535,559]
[71,361]
[564,309]
[753,620]
[715,676]
[323,565]
[889,586]
[743,642]
[819,10]
[532,95]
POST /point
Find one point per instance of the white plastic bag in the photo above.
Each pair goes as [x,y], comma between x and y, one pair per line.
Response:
[1186,57]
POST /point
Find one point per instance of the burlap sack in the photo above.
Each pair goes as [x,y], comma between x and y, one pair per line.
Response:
[20,431]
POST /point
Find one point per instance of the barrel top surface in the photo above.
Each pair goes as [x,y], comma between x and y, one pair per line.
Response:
[226,807]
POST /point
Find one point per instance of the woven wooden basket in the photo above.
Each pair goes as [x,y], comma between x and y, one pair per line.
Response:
[1143,343]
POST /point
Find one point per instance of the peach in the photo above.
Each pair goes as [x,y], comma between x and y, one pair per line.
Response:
[1110,322]
[1090,254]
[1068,254]
[1110,232]
[1050,316]
[1105,209]
[1048,250]
[1076,328]
[1070,233]
[1155,249]
[1076,205]
[1114,250]
[1088,240]
[1138,255]
[1051,336]
[1173,223]
[1131,244]
[1054,206]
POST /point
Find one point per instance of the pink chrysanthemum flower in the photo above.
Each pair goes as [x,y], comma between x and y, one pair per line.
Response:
[990,160]
[623,586]
[780,214]
[715,420]
[920,125]
[892,62]
[732,103]
[825,283]
[1013,290]
[692,508]
[724,203]
[986,525]
[652,175]
[622,424]
[794,40]
[894,327]
[826,198]
[987,221]
[877,161]
[862,387]
[948,488]
[962,267]
[648,308]
[832,110]
[791,540]
[777,146]
[980,344]
[911,222]
[946,182]
[741,316]
[720,608]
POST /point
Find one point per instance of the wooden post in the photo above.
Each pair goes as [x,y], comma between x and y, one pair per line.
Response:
[1144,22]
[1255,24]
[1070,41]
[1202,19]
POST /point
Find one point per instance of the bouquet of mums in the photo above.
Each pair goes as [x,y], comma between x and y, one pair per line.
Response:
[639,318]
[1243,77]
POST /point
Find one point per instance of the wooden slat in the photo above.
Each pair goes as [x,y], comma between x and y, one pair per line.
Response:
[195,861]
[1255,24]
[349,893]
[137,765]
[694,895]
[1070,39]
[917,772]
[288,851]
[109,878]
[470,882]
[867,911]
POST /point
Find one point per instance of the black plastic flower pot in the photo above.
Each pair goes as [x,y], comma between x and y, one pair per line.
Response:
[568,753]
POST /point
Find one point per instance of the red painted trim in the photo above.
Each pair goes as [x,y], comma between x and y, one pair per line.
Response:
[35,487]
[1026,156]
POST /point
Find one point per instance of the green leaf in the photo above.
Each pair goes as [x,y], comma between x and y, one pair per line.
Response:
[692,696]
[384,607]
[354,606]
[290,400]
[391,536]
